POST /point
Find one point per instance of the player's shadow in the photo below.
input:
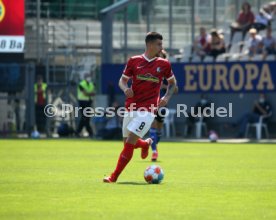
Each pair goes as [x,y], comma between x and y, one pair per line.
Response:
[132,183]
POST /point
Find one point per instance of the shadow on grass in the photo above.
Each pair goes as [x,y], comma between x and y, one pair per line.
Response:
[149,161]
[132,183]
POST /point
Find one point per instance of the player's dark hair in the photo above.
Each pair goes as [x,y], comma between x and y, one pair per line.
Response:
[152,36]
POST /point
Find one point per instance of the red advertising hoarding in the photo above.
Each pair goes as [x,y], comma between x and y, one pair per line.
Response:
[12,18]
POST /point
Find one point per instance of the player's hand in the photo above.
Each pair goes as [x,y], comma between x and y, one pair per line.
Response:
[128,92]
[163,101]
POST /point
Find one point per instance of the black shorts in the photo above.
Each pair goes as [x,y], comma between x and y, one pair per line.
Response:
[161,114]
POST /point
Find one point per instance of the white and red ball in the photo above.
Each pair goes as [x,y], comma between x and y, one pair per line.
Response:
[154,174]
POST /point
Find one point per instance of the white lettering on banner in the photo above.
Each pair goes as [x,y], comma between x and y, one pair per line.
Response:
[12,44]
[218,77]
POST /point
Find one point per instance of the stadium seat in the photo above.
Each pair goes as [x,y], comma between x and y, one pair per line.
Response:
[259,126]
[199,126]
[208,59]
[169,123]
[235,49]
[221,57]
[185,59]
[172,59]
[244,58]
[196,59]
[186,51]
[226,37]
[270,57]
[237,37]
[234,57]
[234,52]
[257,57]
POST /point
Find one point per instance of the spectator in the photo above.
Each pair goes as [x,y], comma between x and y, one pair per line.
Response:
[262,21]
[197,114]
[113,126]
[40,89]
[243,22]
[216,44]
[269,9]
[269,44]
[261,108]
[200,45]
[255,45]
[86,92]
[17,114]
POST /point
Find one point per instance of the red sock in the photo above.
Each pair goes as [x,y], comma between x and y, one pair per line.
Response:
[141,143]
[123,160]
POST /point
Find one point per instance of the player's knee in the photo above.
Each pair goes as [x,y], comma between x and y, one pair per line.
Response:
[132,138]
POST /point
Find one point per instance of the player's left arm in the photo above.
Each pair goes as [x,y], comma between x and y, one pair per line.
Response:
[171,88]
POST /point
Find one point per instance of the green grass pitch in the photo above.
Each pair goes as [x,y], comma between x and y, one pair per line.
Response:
[62,179]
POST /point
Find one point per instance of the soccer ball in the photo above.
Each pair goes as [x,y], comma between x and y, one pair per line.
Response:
[154,174]
[213,136]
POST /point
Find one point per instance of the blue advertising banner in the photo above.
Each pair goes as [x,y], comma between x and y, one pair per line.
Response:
[227,77]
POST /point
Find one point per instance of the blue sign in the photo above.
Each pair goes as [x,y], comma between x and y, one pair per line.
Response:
[227,77]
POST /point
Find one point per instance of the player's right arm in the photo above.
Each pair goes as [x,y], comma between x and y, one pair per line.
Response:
[124,87]
[127,74]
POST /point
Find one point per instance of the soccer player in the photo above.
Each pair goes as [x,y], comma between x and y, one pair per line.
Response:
[157,125]
[156,132]
[146,72]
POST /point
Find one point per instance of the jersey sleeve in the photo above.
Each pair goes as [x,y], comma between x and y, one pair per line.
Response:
[168,72]
[128,71]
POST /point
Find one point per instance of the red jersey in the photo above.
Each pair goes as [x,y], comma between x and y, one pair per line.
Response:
[246,18]
[147,76]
